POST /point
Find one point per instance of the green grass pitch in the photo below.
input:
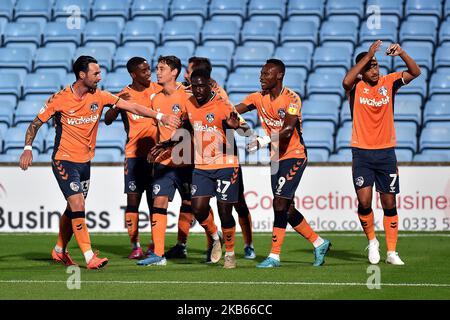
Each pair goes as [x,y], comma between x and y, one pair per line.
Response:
[27,272]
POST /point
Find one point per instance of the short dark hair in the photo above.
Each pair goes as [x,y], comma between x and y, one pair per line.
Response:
[278,63]
[360,56]
[133,63]
[200,62]
[172,61]
[201,73]
[82,65]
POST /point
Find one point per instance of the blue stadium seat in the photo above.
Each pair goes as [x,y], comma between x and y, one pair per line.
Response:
[220,56]
[345,113]
[347,7]
[387,7]
[27,111]
[42,83]
[404,155]
[274,8]
[143,31]
[69,79]
[7,9]
[243,82]
[108,32]
[108,8]
[250,117]
[331,56]
[49,141]
[344,136]
[295,81]
[446,9]
[407,109]
[251,56]
[318,155]
[406,136]
[436,111]
[228,7]
[236,98]
[16,58]
[417,86]
[294,56]
[182,52]
[66,8]
[317,135]
[111,137]
[339,31]
[43,158]
[299,31]
[442,57]
[419,52]
[444,32]
[102,54]
[150,8]
[433,156]
[220,30]
[418,31]
[10,84]
[6,113]
[33,8]
[320,110]
[58,32]
[423,7]
[435,136]
[326,82]
[343,155]
[9,158]
[440,83]
[20,32]
[15,136]
[260,31]
[125,53]
[189,7]
[387,32]
[180,31]
[116,81]
[103,155]
[306,8]
[53,57]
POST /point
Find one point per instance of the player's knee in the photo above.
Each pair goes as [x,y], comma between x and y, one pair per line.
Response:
[77,204]
[364,211]
[228,222]
[295,218]
[132,208]
[280,219]
[200,212]
[281,204]
[390,212]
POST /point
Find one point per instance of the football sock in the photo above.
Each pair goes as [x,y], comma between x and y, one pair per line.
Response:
[390,224]
[132,221]
[209,225]
[185,220]
[279,230]
[228,236]
[366,218]
[82,234]
[299,223]
[159,225]
[65,232]
[209,239]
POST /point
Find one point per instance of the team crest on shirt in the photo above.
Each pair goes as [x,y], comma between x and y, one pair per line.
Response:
[383,91]
[176,108]
[132,185]
[94,107]
[359,181]
[210,117]
[156,188]
[74,186]
[193,189]
[281,113]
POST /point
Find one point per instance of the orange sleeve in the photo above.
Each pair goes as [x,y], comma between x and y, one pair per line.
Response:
[295,105]
[108,97]
[251,99]
[49,109]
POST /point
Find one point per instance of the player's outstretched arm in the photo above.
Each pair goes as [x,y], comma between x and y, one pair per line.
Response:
[171,121]
[242,108]
[113,113]
[27,156]
[413,69]
[352,75]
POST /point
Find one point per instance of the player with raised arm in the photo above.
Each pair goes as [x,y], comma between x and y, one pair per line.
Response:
[279,110]
[141,137]
[77,109]
[185,220]
[371,97]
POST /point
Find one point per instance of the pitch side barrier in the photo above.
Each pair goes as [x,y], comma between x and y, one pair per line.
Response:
[30,201]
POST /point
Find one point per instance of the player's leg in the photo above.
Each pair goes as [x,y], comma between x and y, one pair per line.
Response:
[387,184]
[245,220]
[229,231]
[363,180]
[185,220]
[149,194]
[132,222]
[60,253]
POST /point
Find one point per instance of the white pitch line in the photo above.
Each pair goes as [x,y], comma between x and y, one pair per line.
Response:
[250,283]
[255,234]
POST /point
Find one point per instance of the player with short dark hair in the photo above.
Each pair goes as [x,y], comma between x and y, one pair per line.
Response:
[371,98]
[77,109]
[279,110]
[141,137]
